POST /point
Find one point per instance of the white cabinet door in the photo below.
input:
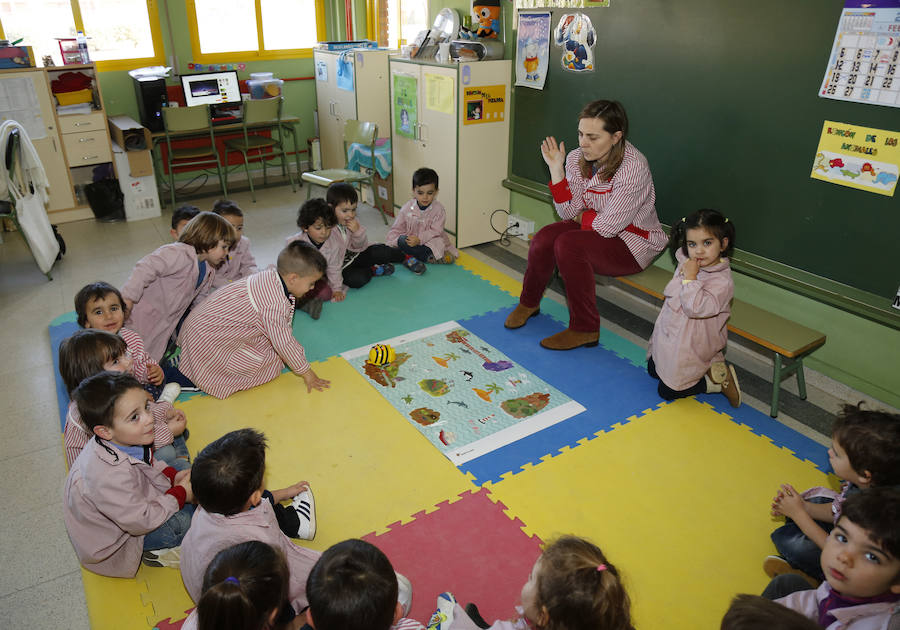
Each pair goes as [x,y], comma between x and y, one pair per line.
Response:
[437,131]
[408,153]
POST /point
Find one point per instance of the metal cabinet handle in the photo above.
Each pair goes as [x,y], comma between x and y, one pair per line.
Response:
[86,139]
[89,157]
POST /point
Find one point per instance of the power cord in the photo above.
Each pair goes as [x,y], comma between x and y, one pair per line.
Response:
[504,235]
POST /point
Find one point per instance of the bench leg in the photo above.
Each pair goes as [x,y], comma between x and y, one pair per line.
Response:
[776,385]
[801,379]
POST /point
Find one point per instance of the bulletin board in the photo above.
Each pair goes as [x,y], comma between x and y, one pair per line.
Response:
[723,100]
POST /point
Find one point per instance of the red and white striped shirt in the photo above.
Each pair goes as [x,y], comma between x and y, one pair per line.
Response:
[76,435]
[139,357]
[625,204]
[241,336]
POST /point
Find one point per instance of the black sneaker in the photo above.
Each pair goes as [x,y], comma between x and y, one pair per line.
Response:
[313,306]
[415,265]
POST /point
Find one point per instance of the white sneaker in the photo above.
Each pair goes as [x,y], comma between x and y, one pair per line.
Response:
[169,393]
[305,506]
[170,557]
[404,593]
[442,618]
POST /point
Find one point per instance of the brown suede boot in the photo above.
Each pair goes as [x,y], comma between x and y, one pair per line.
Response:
[520,315]
[569,339]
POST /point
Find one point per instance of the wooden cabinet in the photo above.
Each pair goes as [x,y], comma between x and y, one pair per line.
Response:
[69,146]
[365,72]
[460,128]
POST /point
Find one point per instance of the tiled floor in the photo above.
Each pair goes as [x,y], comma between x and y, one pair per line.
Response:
[40,582]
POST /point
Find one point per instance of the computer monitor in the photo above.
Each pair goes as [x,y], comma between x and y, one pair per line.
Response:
[211,88]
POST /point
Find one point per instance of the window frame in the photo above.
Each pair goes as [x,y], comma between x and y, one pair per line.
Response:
[251,55]
[158,57]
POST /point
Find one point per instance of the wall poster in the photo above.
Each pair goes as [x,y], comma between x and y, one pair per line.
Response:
[406,98]
[859,157]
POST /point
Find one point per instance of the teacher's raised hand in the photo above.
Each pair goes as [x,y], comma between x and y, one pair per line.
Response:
[555,156]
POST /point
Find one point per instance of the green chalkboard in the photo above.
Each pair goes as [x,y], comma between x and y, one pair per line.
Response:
[722,98]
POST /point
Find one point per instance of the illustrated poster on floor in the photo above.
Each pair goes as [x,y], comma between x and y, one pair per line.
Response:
[464,396]
[859,157]
[865,58]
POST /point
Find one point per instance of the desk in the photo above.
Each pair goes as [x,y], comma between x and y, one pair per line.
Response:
[220,133]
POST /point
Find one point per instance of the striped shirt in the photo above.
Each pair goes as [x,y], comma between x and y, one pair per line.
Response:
[76,435]
[241,336]
[139,357]
[625,204]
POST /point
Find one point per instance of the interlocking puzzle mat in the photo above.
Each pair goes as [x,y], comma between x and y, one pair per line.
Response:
[464,396]
[59,329]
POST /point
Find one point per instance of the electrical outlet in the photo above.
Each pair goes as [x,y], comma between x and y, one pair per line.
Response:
[517,226]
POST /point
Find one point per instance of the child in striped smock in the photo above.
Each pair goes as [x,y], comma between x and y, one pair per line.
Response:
[242,336]
[90,352]
[240,262]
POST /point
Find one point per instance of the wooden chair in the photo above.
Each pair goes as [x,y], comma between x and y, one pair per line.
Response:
[256,147]
[355,131]
[195,118]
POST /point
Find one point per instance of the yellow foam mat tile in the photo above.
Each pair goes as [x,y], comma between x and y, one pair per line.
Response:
[368,467]
[678,498]
[485,271]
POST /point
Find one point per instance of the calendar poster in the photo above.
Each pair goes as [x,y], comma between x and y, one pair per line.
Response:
[865,57]
[858,157]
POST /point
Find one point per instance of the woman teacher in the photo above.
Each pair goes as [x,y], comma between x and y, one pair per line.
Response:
[604,193]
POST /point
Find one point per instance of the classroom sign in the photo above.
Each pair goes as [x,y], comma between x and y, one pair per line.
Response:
[460,393]
[406,113]
[485,104]
[858,157]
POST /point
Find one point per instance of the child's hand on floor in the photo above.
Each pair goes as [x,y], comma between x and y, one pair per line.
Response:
[176,421]
[155,374]
[290,492]
[338,296]
[412,241]
[314,382]
[183,479]
[788,502]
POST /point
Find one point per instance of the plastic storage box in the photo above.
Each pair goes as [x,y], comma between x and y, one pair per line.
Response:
[264,88]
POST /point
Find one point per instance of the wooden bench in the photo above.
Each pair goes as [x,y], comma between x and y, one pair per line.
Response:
[789,341]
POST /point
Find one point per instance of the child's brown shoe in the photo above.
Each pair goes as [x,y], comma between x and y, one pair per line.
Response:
[730,387]
[717,372]
[776,565]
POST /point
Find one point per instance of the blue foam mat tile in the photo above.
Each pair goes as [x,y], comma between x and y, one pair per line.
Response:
[610,388]
[59,329]
[394,305]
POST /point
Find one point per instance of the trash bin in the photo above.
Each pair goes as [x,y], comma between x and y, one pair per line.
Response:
[106,200]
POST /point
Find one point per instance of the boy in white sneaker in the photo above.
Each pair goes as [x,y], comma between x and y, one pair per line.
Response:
[227,478]
[861,563]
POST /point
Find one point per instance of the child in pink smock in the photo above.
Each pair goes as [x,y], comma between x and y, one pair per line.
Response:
[572,579]
[686,347]
[227,479]
[316,220]
[418,230]
[120,503]
[240,262]
[89,352]
[163,284]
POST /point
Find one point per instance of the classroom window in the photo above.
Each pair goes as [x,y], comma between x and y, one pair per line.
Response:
[121,33]
[254,28]
[401,20]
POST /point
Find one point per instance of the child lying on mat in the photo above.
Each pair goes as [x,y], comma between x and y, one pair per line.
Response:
[89,352]
[354,587]
[245,586]
[864,453]
[119,503]
[861,564]
[234,507]
[361,260]
[241,336]
[572,586]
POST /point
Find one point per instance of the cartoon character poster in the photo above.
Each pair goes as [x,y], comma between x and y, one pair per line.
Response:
[575,34]
[463,395]
[406,113]
[858,157]
[485,104]
[533,49]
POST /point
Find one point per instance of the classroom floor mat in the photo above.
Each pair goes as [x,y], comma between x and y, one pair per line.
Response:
[60,328]
[678,498]
[462,395]
[469,548]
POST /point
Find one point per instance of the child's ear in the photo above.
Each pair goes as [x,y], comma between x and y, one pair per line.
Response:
[103,431]
[865,479]
[895,587]
[398,612]
[724,243]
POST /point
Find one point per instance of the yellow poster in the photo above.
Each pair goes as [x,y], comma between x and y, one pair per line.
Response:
[485,104]
[858,157]
[439,93]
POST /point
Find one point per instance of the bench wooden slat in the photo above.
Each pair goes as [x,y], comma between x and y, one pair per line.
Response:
[769,330]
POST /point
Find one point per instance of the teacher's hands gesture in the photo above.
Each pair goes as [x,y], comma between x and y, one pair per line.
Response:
[555,156]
